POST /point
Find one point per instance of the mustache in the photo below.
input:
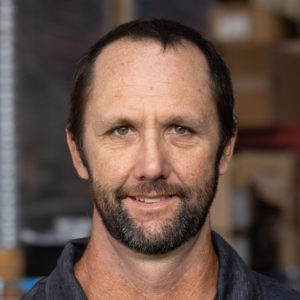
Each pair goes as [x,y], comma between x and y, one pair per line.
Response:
[158,187]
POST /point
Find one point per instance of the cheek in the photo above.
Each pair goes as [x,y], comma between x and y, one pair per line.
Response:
[109,167]
[194,167]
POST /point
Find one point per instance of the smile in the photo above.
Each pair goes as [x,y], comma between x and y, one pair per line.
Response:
[151,199]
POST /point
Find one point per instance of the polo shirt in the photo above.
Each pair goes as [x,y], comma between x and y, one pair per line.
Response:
[235,280]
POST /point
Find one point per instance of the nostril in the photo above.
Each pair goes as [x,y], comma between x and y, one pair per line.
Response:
[153,178]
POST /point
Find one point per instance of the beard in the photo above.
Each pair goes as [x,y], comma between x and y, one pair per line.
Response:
[186,222]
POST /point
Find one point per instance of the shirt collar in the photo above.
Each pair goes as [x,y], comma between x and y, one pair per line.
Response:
[62,283]
[234,278]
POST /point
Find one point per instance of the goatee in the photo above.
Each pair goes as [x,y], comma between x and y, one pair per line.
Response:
[187,221]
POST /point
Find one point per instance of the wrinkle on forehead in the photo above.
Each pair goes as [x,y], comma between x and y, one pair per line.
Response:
[125,59]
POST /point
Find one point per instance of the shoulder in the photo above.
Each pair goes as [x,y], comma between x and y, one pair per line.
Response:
[237,281]
[271,289]
[38,292]
[61,283]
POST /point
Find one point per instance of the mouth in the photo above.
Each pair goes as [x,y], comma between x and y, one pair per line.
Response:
[151,199]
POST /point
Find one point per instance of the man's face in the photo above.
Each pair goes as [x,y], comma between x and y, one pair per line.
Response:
[150,140]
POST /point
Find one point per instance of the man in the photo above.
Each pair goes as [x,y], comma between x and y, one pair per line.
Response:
[151,127]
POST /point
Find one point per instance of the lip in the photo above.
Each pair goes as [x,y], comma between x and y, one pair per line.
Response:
[152,196]
[150,206]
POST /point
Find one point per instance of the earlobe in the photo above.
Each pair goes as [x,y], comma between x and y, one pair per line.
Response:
[227,156]
[77,161]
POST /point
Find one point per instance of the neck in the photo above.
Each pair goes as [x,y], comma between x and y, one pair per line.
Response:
[107,267]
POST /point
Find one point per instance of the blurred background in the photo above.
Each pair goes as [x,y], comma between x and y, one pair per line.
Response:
[43,203]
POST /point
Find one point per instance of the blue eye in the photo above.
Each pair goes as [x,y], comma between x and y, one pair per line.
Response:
[180,129]
[124,130]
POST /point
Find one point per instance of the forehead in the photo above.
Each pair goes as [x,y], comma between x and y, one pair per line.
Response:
[130,72]
[127,57]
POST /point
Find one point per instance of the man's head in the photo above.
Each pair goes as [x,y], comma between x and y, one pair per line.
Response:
[151,127]
[169,34]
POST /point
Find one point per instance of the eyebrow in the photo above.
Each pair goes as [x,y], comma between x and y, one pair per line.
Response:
[186,120]
[115,121]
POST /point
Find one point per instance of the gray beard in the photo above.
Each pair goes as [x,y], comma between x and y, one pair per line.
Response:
[185,224]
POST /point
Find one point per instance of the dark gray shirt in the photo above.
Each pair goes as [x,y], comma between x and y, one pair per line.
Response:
[235,280]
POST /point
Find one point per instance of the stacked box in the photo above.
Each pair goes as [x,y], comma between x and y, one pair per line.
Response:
[221,210]
[241,22]
[12,264]
[272,174]
[286,82]
[250,65]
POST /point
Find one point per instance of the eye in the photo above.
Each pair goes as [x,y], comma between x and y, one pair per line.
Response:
[124,130]
[180,130]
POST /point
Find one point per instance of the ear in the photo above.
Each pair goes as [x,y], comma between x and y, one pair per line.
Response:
[77,161]
[227,156]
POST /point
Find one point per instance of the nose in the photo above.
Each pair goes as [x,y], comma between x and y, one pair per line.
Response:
[152,160]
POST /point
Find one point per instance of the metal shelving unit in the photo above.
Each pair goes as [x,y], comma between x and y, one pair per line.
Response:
[8,193]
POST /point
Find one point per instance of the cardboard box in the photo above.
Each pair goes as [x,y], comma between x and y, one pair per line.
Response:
[251,66]
[12,264]
[288,245]
[238,22]
[286,82]
[247,57]
[272,172]
[255,108]
[266,82]
[221,210]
